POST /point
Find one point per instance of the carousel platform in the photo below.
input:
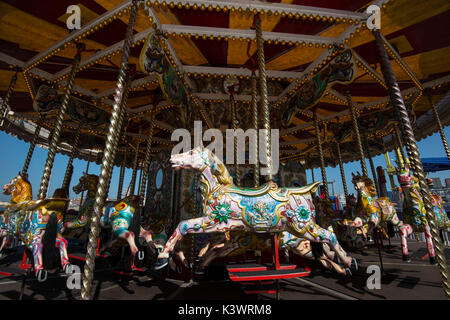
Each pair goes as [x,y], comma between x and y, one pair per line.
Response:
[417,280]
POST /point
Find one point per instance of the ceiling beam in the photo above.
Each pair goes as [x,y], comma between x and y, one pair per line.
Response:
[74,34]
[290,10]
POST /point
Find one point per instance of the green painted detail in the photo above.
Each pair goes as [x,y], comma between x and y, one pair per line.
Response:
[222,212]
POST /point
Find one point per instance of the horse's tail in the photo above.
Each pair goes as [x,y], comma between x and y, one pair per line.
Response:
[49,255]
[317,249]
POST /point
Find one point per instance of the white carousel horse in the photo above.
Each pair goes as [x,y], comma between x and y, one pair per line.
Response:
[265,209]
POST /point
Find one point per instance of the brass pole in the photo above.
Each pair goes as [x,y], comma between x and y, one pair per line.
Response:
[399,152]
[144,171]
[234,124]
[32,146]
[441,129]
[372,168]
[341,167]
[322,161]
[135,168]
[263,94]
[5,103]
[58,126]
[357,135]
[255,127]
[86,171]
[414,156]
[121,176]
[107,161]
[69,168]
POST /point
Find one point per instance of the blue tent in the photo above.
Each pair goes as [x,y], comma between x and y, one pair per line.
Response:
[435,164]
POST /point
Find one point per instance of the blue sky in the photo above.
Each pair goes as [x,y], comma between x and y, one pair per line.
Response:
[13,152]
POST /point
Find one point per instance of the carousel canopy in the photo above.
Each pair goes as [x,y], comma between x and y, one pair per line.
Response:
[316,53]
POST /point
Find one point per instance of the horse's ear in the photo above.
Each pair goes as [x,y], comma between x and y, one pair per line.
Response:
[353,175]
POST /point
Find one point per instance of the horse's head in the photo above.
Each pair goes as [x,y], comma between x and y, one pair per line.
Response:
[195,159]
[363,184]
[404,177]
[11,186]
[86,181]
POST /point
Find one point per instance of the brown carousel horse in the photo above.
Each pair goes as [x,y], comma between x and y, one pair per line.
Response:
[37,223]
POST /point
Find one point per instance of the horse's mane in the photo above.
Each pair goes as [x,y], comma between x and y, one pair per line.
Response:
[219,170]
[368,183]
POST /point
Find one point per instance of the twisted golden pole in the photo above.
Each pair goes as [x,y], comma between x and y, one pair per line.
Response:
[147,158]
[32,146]
[121,176]
[441,129]
[400,152]
[414,155]
[5,103]
[107,161]
[234,126]
[255,127]
[69,168]
[135,168]
[263,93]
[322,160]
[341,168]
[372,168]
[357,135]
[58,127]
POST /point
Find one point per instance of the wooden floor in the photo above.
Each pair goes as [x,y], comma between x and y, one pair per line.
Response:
[409,281]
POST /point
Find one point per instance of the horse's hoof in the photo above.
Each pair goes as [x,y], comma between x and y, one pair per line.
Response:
[161,263]
[406,258]
[354,264]
[348,272]
[433,260]
[42,275]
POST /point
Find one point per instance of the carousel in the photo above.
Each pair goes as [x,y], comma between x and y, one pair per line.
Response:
[123,83]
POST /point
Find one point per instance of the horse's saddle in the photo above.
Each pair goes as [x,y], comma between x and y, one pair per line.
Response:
[252,192]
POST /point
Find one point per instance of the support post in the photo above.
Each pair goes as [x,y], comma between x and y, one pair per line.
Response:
[441,129]
[234,126]
[58,126]
[135,168]
[121,176]
[372,168]
[5,103]
[357,135]
[69,168]
[413,153]
[255,127]
[399,152]
[107,161]
[341,167]
[322,160]
[32,146]
[147,158]
[263,94]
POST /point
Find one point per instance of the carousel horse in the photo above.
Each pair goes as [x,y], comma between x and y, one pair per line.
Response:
[439,211]
[350,231]
[118,216]
[37,223]
[376,210]
[414,208]
[265,209]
